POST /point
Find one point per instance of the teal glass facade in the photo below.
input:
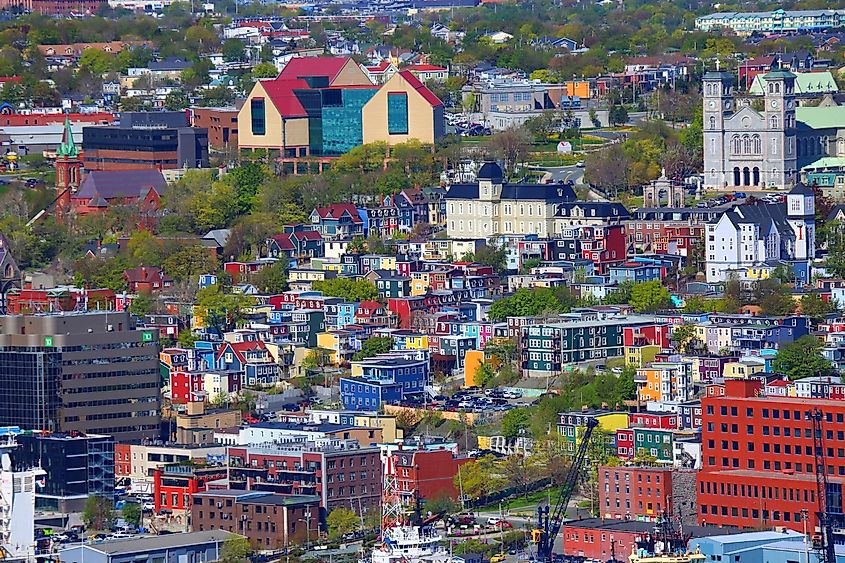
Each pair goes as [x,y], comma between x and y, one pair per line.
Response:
[397,113]
[342,125]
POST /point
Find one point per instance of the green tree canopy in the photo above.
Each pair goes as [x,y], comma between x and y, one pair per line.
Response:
[802,358]
[342,521]
[515,422]
[98,513]
[649,297]
[373,346]
[347,288]
[223,311]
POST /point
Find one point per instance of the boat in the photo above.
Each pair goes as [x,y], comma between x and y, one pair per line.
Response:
[410,544]
[664,545]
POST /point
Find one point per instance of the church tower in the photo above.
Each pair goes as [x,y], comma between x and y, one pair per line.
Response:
[718,105]
[68,170]
[780,151]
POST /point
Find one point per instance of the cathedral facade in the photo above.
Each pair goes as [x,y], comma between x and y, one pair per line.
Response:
[746,147]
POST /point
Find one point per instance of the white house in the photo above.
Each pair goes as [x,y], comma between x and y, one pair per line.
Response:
[749,235]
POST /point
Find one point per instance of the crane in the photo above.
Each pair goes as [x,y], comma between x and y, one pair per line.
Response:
[549,522]
[823,543]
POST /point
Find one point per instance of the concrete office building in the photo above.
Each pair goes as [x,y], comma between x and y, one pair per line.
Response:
[88,372]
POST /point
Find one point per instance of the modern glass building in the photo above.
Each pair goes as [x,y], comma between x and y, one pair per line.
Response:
[80,372]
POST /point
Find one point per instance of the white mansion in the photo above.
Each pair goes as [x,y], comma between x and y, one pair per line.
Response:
[492,207]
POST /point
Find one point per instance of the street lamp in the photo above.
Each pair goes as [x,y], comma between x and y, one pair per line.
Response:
[307,521]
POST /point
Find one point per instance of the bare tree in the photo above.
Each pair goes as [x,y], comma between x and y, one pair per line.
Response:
[511,145]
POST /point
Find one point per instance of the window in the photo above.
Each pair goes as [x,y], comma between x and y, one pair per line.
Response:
[257,112]
[397,113]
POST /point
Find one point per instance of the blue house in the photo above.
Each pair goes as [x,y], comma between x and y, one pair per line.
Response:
[634,272]
[383,379]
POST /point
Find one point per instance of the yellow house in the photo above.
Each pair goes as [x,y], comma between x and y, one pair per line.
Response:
[612,421]
[403,109]
[420,282]
[472,361]
[639,356]
[743,369]
[389,431]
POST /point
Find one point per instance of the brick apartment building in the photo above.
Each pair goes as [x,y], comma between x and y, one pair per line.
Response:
[425,474]
[646,493]
[175,484]
[757,457]
[268,520]
[339,474]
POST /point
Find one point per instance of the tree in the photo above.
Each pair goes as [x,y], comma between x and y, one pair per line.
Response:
[617,115]
[220,400]
[511,146]
[492,255]
[697,304]
[515,422]
[131,512]
[265,70]
[441,504]
[95,60]
[186,339]
[342,521]
[187,262]
[223,311]
[235,550]
[527,303]
[272,279]
[484,375]
[478,478]
[373,346]
[650,296]
[684,336]
[233,50]
[98,513]
[143,304]
[774,297]
[815,307]
[346,288]
[176,100]
[144,248]
[217,97]
[802,358]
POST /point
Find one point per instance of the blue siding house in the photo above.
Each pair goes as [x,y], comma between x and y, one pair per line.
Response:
[383,379]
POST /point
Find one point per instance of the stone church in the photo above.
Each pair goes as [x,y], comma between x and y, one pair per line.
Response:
[766,147]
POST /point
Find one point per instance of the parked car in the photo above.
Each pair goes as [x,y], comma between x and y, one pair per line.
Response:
[493,521]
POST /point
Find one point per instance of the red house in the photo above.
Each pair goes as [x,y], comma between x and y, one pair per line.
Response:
[425,474]
[185,386]
[605,245]
[662,420]
[639,493]
[147,279]
[174,484]
[371,313]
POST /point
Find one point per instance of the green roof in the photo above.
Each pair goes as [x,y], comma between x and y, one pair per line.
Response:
[805,83]
[825,163]
[68,148]
[829,117]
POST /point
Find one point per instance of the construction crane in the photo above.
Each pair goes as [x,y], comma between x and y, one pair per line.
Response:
[823,541]
[47,208]
[550,520]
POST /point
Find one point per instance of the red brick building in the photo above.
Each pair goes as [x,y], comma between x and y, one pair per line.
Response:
[222,125]
[343,474]
[757,457]
[425,474]
[601,539]
[147,279]
[639,493]
[24,301]
[662,420]
[268,520]
[54,7]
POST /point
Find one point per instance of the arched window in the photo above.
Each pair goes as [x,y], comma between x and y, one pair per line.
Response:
[746,176]
[777,88]
[736,176]
[709,89]
[712,122]
[755,177]
[840,147]
[771,88]
[757,144]
[737,144]
[774,122]
[746,145]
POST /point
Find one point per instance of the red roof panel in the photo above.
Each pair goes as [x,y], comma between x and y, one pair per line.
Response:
[415,83]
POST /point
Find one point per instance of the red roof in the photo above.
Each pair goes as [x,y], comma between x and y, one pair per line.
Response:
[240,347]
[9,79]
[146,274]
[336,211]
[415,83]
[381,67]
[281,94]
[307,235]
[299,67]
[425,68]
[778,383]
[283,240]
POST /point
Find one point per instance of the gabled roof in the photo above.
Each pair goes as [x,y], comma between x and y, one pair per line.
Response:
[239,348]
[336,211]
[111,184]
[300,67]
[415,83]
[281,93]
[146,274]
[381,67]
[307,235]
[423,67]
[283,241]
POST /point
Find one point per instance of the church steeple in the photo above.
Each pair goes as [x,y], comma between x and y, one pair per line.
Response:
[68,169]
[68,148]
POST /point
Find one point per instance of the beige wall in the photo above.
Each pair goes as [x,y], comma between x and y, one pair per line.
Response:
[420,115]
[295,133]
[351,75]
